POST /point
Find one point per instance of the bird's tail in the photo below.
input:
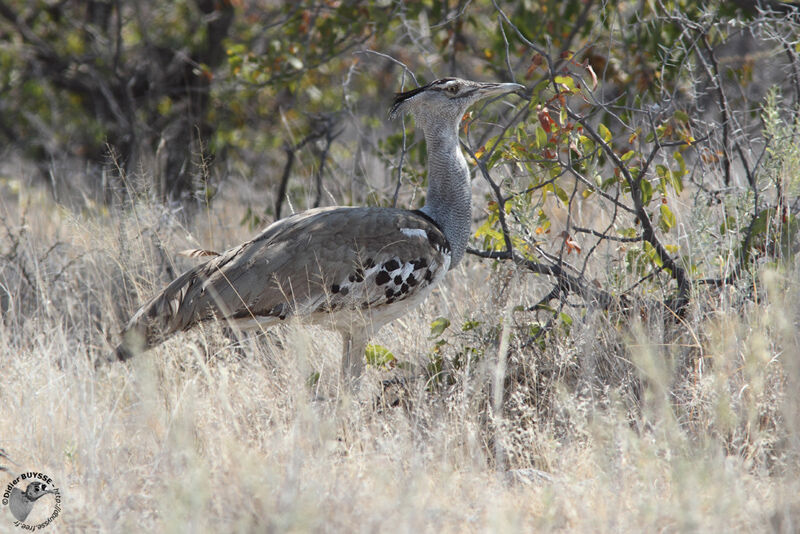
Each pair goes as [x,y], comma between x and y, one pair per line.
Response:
[163,315]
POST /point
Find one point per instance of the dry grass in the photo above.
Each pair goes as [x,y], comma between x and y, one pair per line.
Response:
[614,427]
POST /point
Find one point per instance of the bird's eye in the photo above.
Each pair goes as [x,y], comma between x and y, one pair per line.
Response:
[452,89]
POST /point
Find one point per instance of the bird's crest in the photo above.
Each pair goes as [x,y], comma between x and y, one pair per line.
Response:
[402,98]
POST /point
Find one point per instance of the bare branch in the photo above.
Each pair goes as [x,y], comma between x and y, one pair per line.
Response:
[566,282]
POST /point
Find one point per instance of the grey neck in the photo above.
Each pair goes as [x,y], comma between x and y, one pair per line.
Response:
[449,200]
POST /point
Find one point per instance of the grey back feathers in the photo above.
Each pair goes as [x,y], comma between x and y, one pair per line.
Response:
[351,269]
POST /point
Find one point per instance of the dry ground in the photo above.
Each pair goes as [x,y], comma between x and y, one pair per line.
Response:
[613,427]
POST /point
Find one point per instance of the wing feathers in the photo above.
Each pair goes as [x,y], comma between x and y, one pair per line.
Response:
[318,261]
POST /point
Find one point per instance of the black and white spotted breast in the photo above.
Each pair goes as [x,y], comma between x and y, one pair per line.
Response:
[411,266]
[387,281]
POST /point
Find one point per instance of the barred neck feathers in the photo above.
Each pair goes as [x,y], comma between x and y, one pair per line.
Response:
[449,199]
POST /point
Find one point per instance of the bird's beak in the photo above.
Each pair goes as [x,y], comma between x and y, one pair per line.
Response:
[494,89]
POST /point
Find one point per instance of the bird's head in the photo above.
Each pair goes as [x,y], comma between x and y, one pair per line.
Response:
[36,490]
[446,100]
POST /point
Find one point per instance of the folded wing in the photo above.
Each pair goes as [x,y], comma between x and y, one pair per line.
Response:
[336,262]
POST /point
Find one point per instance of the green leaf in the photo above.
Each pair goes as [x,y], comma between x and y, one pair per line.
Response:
[567,81]
[541,137]
[586,143]
[605,133]
[651,253]
[562,195]
[236,50]
[492,238]
[627,155]
[439,325]
[469,325]
[493,159]
[378,356]
[667,219]
[605,184]
[647,192]
[484,229]
[681,162]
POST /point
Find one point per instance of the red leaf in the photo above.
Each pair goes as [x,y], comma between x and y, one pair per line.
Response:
[545,120]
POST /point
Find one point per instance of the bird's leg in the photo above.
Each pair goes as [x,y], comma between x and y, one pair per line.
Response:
[353,347]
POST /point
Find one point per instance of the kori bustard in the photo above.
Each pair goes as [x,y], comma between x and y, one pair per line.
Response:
[352,269]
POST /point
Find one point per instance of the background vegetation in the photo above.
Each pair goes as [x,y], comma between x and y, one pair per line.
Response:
[618,353]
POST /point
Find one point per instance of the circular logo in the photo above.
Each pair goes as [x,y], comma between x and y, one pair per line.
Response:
[33,499]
